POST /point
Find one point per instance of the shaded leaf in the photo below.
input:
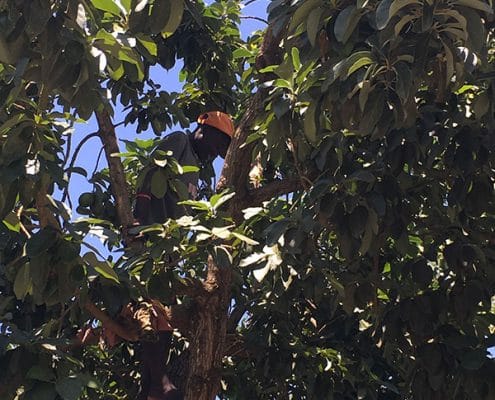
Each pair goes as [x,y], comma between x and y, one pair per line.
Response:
[346,22]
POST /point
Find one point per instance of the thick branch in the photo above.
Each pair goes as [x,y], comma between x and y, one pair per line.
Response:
[237,164]
[117,175]
[273,189]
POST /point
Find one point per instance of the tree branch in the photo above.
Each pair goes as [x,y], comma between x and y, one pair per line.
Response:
[237,163]
[117,175]
[273,189]
[45,214]
[73,160]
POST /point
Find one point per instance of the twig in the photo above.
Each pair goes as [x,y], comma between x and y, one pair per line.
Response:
[249,2]
[255,18]
[73,161]
[21,225]
[97,161]
[69,145]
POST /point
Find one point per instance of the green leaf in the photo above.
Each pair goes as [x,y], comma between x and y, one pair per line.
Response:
[189,168]
[40,242]
[473,360]
[476,4]
[69,388]
[102,267]
[296,61]
[159,183]
[282,83]
[10,123]
[252,259]
[12,222]
[241,52]
[251,212]
[41,373]
[107,5]
[449,61]
[402,22]
[218,200]
[341,68]
[174,19]
[475,29]
[148,43]
[346,22]
[313,25]
[310,123]
[364,93]
[22,283]
[245,239]
[275,231]
[404,80]
[260,273]
[221,232]
[372,114]
[388,8]
[359,64]
[481,105]
[300,14]
[383,13]
[222,256]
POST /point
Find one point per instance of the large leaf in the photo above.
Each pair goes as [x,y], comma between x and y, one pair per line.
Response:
[22,283]
[346,23]
[107,5]
[174,19]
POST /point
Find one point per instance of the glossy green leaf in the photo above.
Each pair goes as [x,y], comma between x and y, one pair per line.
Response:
[476,4]
[302,12]
[310,129]
[175,18]
[313,25]
[346,23]
[22,284]
[107,5]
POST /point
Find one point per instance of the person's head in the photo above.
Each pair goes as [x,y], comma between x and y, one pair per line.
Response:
[213,135]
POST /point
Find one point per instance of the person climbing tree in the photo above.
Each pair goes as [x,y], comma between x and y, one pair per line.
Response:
[210,139]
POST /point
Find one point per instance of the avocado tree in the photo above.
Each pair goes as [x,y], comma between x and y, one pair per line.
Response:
[348,248]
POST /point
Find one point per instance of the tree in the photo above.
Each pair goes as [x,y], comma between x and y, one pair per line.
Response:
[349,249]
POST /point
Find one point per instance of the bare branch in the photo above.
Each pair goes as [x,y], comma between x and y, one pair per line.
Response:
[73,160]
[255,18]
[274,189]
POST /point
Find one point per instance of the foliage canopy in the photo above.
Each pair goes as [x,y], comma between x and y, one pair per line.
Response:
[358,262]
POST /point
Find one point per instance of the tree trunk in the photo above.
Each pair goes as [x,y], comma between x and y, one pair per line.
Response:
[207,342]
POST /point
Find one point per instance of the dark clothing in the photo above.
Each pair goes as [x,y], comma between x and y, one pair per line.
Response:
[151,209]
[173,394]
[153,360]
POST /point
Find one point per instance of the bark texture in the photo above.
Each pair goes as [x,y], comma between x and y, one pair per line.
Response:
[208,342]
[117,175]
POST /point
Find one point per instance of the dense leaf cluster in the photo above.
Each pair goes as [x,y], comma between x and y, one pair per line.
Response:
[372,278]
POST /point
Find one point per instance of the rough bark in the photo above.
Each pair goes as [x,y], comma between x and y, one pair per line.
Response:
[117,175]
[208,343]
